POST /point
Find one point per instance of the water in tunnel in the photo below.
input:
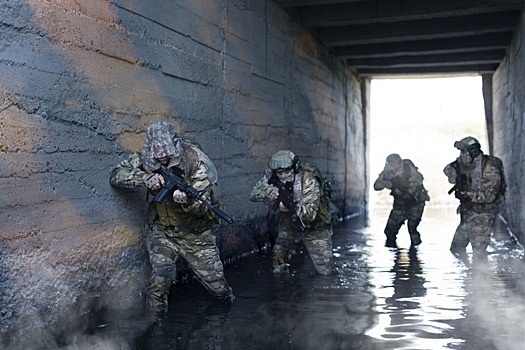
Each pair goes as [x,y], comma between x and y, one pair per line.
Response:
[379,297]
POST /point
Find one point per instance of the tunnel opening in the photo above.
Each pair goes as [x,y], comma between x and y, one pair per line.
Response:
[420,119]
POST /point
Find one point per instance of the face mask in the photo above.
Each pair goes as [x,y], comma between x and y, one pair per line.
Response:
[285,175]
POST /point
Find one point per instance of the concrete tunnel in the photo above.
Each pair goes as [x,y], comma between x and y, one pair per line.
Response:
[82,80]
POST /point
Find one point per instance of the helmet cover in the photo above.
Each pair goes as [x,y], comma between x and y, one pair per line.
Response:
[282,159]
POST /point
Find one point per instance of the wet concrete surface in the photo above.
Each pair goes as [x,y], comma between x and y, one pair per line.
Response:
[379,298]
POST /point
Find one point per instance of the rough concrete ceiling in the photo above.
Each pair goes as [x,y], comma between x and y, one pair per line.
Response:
[407,37]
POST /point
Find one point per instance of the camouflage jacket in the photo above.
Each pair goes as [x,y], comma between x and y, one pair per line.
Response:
[193,214]
[306,193]
[481,180]
[406,188]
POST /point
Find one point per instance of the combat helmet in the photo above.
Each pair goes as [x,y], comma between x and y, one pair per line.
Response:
[282,159]
[469,144]
[394,158]
[160,141]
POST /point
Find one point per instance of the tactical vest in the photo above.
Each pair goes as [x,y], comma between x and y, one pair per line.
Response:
[500,196]
[503,182]
[401,183]
[171,214]
[327,211]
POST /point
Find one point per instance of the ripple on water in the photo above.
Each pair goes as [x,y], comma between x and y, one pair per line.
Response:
[379,298]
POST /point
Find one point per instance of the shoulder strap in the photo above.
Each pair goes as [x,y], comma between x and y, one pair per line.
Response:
[195,154]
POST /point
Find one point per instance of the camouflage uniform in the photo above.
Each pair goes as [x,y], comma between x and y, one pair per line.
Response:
[176,230]
[480,179]
[406,184]
[317,236]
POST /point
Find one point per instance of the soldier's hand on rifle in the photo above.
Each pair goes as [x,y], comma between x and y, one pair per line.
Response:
[154,182]
[282,207]
[463,195]
[180,196]
[451,174]
[272,193]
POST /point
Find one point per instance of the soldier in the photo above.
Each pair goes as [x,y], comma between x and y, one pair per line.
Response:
[479,184]
[305,212]
[179,227]
[405,182]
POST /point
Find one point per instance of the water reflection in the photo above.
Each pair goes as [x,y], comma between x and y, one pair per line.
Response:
[494,303]
[182,330]
[408,287]
[380,298]
[301,310]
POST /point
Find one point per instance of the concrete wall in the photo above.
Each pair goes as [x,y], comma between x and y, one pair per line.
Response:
[83,79]
[509,128]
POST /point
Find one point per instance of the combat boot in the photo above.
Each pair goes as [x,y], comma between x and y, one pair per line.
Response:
[416,240]
[390,243]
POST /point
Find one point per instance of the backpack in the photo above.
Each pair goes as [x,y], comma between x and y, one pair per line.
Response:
[503,182]
[327,211]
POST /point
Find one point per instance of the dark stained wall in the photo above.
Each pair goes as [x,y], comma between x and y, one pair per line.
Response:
[83,79]
[509,127]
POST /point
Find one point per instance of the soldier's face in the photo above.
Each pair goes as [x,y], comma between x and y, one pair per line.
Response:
[285,175]
[395,167]
[464,157]
[164,160]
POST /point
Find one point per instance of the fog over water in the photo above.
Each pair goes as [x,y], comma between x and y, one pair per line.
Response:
[379,298]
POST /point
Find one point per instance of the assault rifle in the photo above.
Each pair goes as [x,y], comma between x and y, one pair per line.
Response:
[286,197]
[174,182]
[405,193]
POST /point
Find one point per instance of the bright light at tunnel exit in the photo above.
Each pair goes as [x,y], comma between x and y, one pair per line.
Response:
[420,119]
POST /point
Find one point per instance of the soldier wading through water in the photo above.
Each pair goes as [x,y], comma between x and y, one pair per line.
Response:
[405,183]
[179,227]
[305,210]
[479,184]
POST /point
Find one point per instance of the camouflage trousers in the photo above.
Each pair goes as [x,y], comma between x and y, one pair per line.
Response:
[317,240]
[199,250]
[398,215]
[474,228]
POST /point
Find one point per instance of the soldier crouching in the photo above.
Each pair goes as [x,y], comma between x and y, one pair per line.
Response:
[179,227]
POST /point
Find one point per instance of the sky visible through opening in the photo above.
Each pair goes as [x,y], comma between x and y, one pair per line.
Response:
[420,119]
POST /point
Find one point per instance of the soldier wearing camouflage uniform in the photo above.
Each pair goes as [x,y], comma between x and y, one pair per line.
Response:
[405,182]
[179,227]
[477,182]
[317,235]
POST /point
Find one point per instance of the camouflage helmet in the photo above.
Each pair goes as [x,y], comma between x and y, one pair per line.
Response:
[468,143]
[282,159]
[161,141]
